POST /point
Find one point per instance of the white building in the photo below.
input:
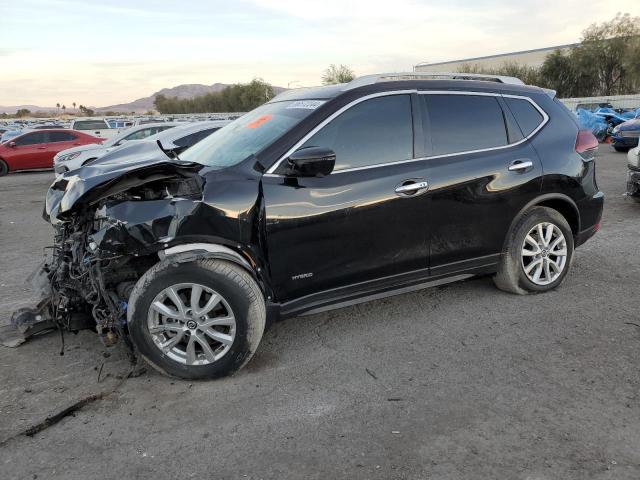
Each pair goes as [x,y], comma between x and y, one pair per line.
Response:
[531,58]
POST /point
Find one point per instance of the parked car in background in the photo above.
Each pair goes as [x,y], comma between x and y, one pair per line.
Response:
[625,136]
[633,175]
[321,198]
[46,126]
[119,123]
[75,157]
[174,141]
[96,127]
[9,134]
[36,148]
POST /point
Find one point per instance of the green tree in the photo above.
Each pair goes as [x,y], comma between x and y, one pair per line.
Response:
[234,98]
[529,75]
[561,74]
[607,59]
[337,74]
[87,112]
[23,112]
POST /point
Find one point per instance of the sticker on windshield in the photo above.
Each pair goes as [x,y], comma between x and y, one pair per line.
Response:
[259,121]
[306,104]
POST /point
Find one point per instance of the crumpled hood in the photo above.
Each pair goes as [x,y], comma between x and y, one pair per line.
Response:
[104,178]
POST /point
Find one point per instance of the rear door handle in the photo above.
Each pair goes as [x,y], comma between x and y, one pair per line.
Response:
[411,187]
[520,165]
[42,148]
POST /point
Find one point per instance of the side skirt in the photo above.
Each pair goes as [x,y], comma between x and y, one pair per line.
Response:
[360,293]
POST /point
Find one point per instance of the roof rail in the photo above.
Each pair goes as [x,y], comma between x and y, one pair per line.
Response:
[388,77]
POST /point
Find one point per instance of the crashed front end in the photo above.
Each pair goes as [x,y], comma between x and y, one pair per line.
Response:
[109,225]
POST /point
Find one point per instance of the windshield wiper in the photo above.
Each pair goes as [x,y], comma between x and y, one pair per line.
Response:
[171,153]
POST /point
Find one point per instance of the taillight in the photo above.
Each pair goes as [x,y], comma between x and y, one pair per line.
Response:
[586,144]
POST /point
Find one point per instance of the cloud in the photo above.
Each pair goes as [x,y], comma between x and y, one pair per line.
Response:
[112,52]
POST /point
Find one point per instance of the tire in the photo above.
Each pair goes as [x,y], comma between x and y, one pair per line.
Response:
[621,149]
[241,300]
[512,277]
[4,168]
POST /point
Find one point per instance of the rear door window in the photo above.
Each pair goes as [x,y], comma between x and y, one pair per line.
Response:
[527,116]
[379,130]
[61,137]
[462,123]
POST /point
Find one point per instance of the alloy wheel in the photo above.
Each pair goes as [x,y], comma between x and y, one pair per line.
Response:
[544,253]
[191,324]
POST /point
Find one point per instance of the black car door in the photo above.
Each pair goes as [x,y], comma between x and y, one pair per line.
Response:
[482,171]
[364,221]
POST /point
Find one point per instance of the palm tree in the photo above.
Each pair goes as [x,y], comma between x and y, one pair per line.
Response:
[74,105]
[64,109]
[58,107]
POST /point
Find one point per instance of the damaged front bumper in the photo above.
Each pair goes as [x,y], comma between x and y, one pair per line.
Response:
[110,222]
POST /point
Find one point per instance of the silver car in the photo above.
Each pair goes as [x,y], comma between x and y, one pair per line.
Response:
[176,139]
[75,157]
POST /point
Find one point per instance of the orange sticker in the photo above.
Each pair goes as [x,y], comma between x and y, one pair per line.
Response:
[259,121]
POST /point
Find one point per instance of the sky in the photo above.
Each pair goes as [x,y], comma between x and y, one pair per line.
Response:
[99,53]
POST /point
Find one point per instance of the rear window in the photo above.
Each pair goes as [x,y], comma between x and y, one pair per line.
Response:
[90,125]
[462,123]
[527,116]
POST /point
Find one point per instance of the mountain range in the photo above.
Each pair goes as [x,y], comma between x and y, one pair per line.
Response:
[141,105]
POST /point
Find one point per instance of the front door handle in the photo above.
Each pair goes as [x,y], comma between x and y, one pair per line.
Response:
[411,187]
[520,165]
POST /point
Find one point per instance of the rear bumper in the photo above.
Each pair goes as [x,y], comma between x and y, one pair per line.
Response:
[585,235]
[633,183]
[591,215]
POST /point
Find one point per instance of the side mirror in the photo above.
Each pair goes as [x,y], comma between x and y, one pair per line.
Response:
[311,162]
[11,144]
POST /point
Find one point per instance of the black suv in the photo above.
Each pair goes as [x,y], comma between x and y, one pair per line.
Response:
[321,198]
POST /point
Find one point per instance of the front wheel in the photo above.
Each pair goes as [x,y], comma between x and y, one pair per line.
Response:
[4,168]
[538,253]
[196,320]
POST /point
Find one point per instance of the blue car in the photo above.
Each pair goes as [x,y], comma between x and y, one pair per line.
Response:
[625,136]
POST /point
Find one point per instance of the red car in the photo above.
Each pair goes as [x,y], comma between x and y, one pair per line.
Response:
[37,148]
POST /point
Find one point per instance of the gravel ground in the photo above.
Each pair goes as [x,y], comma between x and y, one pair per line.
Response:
[461,381]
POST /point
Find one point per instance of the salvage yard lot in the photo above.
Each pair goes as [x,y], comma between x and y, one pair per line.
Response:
[460,381]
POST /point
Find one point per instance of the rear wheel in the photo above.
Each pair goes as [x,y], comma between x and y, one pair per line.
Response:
[196,320]
[4,168]
[621,149]
[538,253]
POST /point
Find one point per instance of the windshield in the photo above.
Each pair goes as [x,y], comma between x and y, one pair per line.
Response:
[249,134]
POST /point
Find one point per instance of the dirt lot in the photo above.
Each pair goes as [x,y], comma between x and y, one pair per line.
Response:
[461,381]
